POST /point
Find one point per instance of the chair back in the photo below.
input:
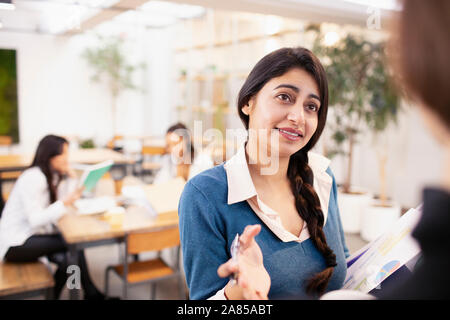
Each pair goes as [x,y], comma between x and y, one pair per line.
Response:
[153,150]
[138,242]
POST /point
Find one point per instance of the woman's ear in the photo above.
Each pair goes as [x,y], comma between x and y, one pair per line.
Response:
[248,107]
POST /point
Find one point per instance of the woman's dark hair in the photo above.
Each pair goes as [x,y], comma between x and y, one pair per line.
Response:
[299,173]
[49,147]
[422,54]
[181,130]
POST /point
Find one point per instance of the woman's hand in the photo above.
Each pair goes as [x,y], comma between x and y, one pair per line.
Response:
[71,173]
[72,197]
[253,280]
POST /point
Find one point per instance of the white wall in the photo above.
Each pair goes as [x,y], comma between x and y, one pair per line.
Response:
[161,93]
[57,96]
[415,160]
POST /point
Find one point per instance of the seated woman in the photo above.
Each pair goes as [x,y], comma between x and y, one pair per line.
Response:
[180,159]
[272,181]
[39,198]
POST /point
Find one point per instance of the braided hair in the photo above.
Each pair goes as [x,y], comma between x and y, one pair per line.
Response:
[299,173]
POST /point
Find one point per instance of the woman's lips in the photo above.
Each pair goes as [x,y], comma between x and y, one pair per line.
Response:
[290,133]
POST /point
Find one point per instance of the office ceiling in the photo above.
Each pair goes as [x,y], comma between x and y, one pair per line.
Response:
[67,17]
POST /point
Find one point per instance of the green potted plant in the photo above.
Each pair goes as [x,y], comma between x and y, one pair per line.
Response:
[358,85]
[110,65]
[385,106]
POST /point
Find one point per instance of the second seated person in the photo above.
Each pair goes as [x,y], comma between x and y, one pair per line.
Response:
[180,159]
[40,197]
[289,200]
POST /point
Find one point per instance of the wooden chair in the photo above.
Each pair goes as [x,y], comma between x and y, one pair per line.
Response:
[150,156]
[24,280]
[148,271]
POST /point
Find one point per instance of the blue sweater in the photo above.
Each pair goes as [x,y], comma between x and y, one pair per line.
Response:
[208,225]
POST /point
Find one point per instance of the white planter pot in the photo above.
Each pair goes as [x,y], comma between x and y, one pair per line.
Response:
[351,206]
[376,219]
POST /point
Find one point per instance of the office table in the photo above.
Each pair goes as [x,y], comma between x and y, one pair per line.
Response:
[81,232]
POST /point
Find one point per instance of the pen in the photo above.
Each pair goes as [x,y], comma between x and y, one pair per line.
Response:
[234,256]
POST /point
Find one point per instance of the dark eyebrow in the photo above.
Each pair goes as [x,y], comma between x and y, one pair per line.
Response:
[297,90]
[289,86]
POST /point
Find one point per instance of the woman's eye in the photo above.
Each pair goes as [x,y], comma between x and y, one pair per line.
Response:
[284,97]
[312,107]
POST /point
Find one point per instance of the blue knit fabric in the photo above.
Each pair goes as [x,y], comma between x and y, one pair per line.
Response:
[208,225]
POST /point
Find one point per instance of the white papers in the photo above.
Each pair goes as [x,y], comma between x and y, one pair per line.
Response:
[94,205]
[384,255]
[135,195]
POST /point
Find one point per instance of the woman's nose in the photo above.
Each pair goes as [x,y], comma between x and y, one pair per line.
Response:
[296,116]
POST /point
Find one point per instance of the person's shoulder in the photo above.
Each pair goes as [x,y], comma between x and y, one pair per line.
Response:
[212,177]
[32,175]
[211,183]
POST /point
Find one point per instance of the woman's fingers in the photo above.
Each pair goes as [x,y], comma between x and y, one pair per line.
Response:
[227,269]
[250,232]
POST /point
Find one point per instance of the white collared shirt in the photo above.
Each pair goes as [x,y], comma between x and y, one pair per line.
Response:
[28,210]
[241,188]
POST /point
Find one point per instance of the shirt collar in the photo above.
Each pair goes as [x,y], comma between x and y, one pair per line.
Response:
[240,183]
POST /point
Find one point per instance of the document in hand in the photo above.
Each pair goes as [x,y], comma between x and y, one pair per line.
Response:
[375,262]
[92,174]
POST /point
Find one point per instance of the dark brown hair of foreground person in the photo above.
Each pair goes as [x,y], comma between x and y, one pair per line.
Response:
[421,53]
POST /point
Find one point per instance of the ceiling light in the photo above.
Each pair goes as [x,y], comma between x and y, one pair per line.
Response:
[331,38]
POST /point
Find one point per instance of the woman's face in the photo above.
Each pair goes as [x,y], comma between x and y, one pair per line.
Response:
[174,145]
[60,163]
[287,107]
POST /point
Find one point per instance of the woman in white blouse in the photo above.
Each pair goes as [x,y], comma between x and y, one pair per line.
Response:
[39,198]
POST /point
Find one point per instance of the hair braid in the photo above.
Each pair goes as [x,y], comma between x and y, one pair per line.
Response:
[308,206]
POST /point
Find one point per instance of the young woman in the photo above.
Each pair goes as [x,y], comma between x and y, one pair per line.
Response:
[39,198]
[288,193]
[180,159]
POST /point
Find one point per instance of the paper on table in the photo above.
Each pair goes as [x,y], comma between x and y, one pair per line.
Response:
[135,195]
[94,205]
[384,255]
[164,197]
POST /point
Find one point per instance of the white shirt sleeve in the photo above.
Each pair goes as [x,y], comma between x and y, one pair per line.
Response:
[220,295]
[33,192]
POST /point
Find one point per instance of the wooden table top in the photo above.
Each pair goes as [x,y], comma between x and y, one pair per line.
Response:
[85,156]
[78,229]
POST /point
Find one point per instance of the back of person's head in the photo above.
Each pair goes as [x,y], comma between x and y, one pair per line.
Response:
[49,147]
[421,54]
